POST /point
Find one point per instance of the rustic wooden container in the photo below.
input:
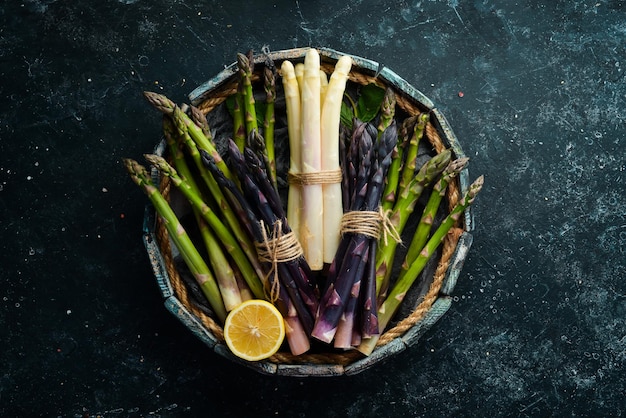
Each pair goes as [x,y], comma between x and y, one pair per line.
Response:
[418,313]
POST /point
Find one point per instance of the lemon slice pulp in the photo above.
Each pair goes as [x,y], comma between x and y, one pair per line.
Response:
[254,330]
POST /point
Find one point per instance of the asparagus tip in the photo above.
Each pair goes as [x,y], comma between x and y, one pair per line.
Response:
[154,159]
[243,62]
[475,188]
[137,171]
[457,165]
[159,101]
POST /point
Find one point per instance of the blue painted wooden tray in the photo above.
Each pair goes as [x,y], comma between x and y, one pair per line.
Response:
[419,312]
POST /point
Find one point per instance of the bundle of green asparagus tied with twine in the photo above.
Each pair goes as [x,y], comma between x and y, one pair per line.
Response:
[323,236]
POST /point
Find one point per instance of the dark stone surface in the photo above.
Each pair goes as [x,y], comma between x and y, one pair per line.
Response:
[538,327]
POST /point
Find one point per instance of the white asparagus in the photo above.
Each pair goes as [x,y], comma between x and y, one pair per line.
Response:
[299,69]
[293,104]
[330,119]
[323,88]
[311,227]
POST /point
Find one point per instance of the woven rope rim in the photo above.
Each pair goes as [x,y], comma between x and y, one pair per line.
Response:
[453,194]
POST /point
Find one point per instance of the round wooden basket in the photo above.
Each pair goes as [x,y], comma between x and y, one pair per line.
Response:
[420,309]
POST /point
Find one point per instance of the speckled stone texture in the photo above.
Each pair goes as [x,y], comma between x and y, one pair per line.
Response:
[535,93]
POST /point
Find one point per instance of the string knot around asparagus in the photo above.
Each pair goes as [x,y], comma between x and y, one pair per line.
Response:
[265,230]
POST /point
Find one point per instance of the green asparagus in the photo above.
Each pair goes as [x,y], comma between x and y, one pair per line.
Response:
[245,71]
[269,85]
[408,170]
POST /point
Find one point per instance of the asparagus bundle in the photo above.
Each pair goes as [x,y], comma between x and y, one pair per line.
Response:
[186,247]
[313,110]
[402,209]
[266,202]
[292,299]
[428,214]
[350,263]
[228,241]
[391,304]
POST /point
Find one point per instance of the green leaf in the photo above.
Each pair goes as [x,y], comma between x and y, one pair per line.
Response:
[370,98]
[346,115]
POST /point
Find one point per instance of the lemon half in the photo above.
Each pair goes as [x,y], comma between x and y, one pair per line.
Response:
[254,330]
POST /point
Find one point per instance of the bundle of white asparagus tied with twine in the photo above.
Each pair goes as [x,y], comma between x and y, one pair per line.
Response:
[322,237]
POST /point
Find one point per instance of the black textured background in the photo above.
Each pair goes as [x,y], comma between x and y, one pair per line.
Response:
[539,326]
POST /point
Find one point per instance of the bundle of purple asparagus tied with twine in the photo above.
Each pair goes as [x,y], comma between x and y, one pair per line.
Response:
[336,234]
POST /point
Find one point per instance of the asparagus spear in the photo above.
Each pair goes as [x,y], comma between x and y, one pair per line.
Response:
[347,324]
[369,316]
[353,158]
[344,141]
[228,240]
[257,143]
[201,121]
[369,319]
[245,70]
[239,124]
[231,294]
[399,290]
[336,291]
[403,208]
[387,110]
[226,280]
[244,289]
[179,236]
[269,78]
[365,153]
[408,171]
[184,124]
[393,176]
[235,198]
[257,168]
[178,156]
[293,104]
[297,336]
[299,71]
[311,231]
[333,303]
[408,197]
[273,206]
[348,332]
[230,217]
[329,133]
